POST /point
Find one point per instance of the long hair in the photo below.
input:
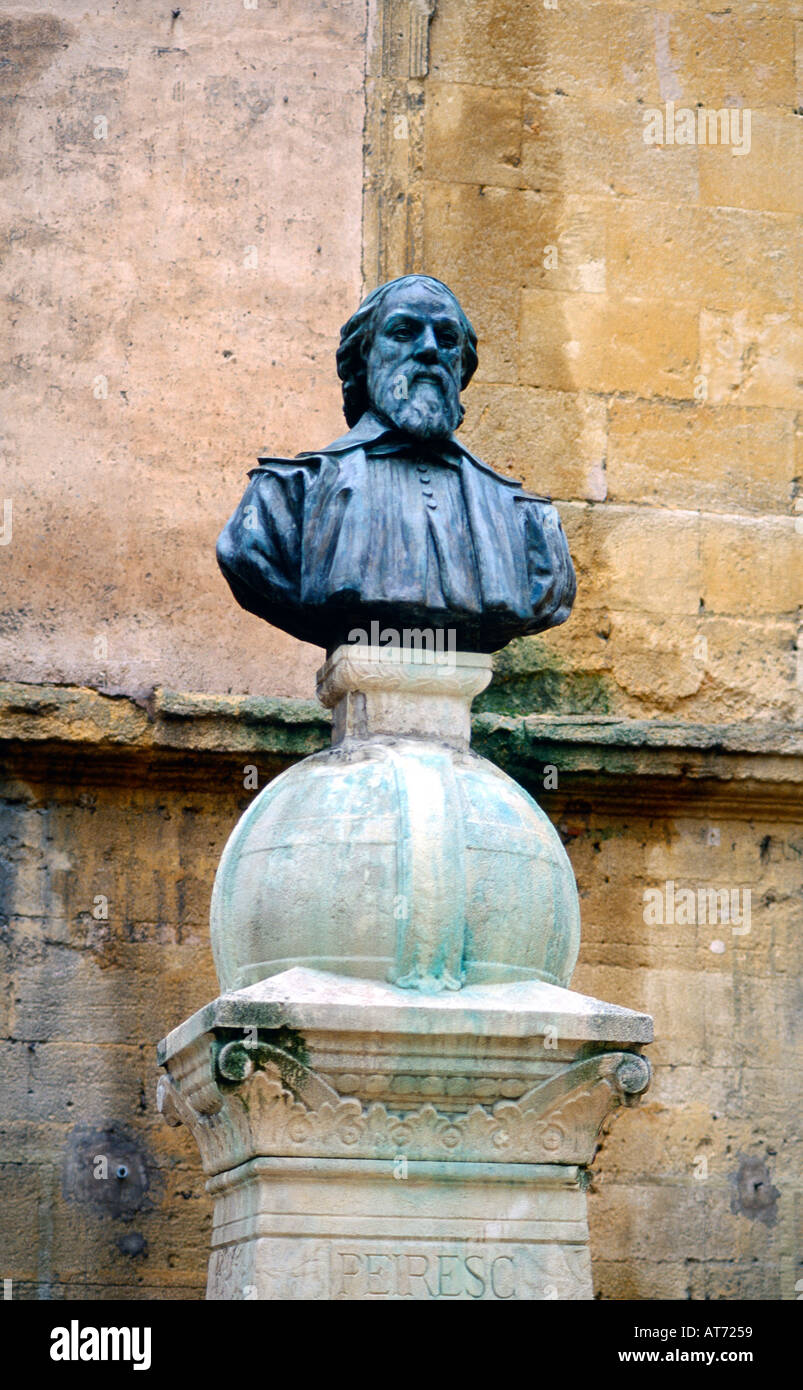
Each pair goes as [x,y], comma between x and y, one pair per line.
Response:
[357,333]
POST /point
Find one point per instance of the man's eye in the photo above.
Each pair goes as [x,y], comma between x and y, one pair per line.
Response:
[401,332]
[448,340]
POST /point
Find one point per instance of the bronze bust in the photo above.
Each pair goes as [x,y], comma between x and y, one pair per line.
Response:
[396,523]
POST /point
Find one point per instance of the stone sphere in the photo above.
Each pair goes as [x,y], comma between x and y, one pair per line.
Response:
[395,859]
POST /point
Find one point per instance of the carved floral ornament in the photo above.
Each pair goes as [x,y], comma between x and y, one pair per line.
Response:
[262,1101]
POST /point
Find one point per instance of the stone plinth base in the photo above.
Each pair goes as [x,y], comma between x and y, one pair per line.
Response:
[330,1228]
[364,1141]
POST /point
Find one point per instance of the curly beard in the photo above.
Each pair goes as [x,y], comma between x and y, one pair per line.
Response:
[426,405]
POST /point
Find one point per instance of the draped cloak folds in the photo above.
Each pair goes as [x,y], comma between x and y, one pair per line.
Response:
[380,527]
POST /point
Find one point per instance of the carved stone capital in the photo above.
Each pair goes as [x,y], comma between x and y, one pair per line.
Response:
[266,1102]
[399,38]
[421,12]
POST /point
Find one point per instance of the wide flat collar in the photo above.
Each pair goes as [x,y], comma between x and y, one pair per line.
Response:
[377,437]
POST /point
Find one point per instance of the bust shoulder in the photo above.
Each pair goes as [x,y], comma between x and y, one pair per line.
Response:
[282,467]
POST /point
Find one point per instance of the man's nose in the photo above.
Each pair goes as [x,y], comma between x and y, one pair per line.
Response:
[426,348]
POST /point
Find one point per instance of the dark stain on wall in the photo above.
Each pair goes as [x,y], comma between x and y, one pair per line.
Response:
[754,1195]
[109,1171]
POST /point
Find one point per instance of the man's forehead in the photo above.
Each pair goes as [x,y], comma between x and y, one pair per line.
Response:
[419,301]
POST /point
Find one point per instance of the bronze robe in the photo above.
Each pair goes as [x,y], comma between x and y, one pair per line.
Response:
[382,527]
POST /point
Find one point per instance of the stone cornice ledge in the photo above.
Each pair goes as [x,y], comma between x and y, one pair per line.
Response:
[754,767]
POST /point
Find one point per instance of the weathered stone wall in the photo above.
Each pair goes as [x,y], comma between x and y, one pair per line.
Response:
[113,819]
[698,1194]
[84,1000]
[638,309]
[181,205]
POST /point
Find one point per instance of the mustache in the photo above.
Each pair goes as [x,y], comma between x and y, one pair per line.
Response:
[436,375]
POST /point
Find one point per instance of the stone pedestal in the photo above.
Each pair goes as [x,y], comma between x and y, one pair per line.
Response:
[364,1141]
[396,1095]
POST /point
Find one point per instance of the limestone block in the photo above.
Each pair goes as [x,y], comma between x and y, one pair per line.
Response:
[752,358]
[601,154]
[698,254]
[20,1194]
[749,1280]
[751,567]
[633,1220]
[553,443]
[638,1280]
[580,49]
[730,58]
[633,647]
[749,665]
[471,229]
[473,134]
[459,221]
[772,180]
[500,234]
[628,552]
[675,454]
[597,342]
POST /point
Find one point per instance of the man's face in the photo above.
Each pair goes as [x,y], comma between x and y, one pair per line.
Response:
[415,362]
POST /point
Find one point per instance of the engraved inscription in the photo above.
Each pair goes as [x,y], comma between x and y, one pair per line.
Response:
[357,1274]
[273,1267]
[479,1272]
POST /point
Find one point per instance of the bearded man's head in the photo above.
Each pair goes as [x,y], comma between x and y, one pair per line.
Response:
[406,354]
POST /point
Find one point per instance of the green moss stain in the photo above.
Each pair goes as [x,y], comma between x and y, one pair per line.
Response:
[284,1048]
[530,677]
